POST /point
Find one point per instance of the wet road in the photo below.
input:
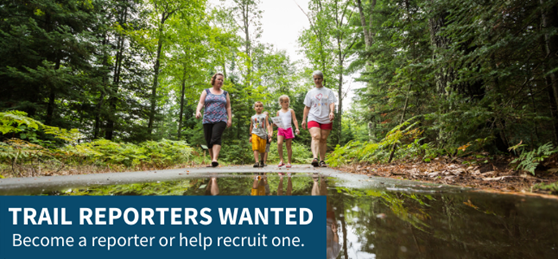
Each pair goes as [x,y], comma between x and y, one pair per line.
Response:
[35,185]
[368,217]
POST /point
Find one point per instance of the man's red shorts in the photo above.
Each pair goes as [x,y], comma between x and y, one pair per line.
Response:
[312,124]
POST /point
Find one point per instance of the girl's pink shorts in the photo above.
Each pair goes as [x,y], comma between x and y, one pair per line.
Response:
[287,133]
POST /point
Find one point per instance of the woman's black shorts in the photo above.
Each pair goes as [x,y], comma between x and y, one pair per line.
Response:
[213,133]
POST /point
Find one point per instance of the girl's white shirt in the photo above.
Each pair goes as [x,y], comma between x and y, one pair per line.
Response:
[286,118]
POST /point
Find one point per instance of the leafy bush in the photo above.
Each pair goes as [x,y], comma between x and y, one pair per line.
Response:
[239,152]
[356,151]
[529,161]
[11,121]
[17,122]
[161,153]
[552,187]
[19,154]
[155,188]
[301,153]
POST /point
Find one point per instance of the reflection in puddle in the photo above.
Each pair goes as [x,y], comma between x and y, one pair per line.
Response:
[391,223]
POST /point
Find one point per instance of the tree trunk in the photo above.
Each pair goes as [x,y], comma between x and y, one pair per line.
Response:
[367,31]
[344,229]
[156,78]
[340,107]
[181,114]
[444,74]
[50,106]
[247,43]
[394,147]
[96,130]
[550,20]
[52,90]
[52,98]
[368,42]
[553,109]
[109,133]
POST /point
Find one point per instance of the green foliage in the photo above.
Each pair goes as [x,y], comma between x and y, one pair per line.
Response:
[131,71]
[196,186]
[471,72]
[101,152]
[301,153]
[356,151]
[552,187]
[159,154]
[237,152]
[163,188]
[529,161]
[11,122]
[19,122]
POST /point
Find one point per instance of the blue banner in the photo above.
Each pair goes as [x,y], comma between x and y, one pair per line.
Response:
[154,226]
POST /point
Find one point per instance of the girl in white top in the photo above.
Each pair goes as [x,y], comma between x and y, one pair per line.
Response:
[286,134]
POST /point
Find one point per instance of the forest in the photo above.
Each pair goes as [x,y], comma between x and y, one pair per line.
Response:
[115,83]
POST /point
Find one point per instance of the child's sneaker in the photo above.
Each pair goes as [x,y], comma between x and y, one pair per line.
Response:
[288,166]
[281,164]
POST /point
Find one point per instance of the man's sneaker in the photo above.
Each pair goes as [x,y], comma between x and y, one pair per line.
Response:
[257,164]
[315,162]
[262,164]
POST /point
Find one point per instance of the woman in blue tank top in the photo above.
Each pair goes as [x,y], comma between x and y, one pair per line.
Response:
[216,116]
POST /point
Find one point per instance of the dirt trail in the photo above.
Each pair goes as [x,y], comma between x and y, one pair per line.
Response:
[493,176]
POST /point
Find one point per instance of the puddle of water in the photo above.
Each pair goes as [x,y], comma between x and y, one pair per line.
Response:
[394,221]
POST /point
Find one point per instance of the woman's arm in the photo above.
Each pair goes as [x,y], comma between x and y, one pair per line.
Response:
[334,230]
[201,103]
[295,121]
[229,111]
[331,111]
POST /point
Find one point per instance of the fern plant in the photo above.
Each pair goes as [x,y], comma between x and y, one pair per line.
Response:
[356,151]
[529,161]
[11,121]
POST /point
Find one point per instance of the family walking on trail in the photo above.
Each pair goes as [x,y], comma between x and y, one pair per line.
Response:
[318,111]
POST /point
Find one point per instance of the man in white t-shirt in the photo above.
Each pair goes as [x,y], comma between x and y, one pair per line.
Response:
[320,107]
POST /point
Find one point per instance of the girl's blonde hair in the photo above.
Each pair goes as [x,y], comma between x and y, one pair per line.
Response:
[282,98]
